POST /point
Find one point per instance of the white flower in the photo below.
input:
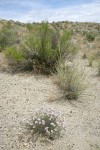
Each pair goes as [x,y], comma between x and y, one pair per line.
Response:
[50,118]
[43,122]
[38,119]
[42,114]
[47,132]
[33,118]
[51,131]
[57,123]
[39,122]
[36,122]
[53,124]
[31,124]
[55,129]
[46,128]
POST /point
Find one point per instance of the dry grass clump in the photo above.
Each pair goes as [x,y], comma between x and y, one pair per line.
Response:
[98,66]
[94,56]
[46,122]
[91,56]
[97,59]
[70,81]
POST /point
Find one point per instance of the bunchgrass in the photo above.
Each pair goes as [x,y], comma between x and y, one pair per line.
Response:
[70,80]
[91,57]
[98,66]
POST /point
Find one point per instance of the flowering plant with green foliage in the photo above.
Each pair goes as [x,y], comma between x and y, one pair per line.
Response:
[46,122]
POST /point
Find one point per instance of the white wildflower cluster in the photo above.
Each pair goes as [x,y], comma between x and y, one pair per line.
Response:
[47,122]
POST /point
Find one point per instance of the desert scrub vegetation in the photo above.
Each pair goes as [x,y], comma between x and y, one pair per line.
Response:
[90,36]
[91,56]
[29,27]
[43,48]
[13,53]
[7,37]
[17,59]
[72,50]
[70,79]
[46,46]
[46,122]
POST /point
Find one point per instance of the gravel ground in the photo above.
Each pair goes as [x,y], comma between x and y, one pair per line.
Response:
[21,94]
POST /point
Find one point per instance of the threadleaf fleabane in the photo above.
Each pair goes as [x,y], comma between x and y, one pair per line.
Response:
[47,122]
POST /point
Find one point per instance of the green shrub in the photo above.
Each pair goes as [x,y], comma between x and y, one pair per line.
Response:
[29,27]
[43,49]
[47,46]
[70,81]
[7,38]
[14,54]
[46,122]
[90,36]
[66,46]
[17,59]
[9,25]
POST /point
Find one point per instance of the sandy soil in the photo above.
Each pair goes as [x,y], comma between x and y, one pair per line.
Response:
[20,94]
